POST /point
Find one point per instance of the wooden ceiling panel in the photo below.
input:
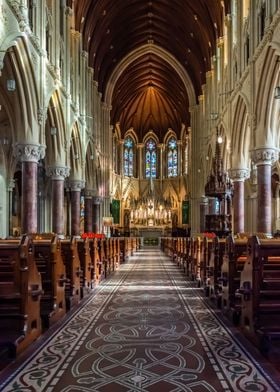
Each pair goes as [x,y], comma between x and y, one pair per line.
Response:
[150,92]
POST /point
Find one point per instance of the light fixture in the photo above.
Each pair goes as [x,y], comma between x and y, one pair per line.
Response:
[11,85]
[220,139]
[277,92]
[53,131]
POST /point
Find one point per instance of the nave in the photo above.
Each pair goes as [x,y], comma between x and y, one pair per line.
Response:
[146,328]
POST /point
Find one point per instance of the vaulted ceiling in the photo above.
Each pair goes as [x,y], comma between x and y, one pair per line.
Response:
[150,57]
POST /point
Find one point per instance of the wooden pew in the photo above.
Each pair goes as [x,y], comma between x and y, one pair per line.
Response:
[20,291]
[122,250]
[47,253]
[96,264]
[233,263]
[102,262]
[214,270]
[70,255]
[195,260]
[107,257]
[260,291]
[208,244]
[87,279]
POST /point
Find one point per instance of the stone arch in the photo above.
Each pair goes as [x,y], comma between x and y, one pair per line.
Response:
[25,102]
[241,135]
[55,131]
[76,154]
[266,105]
[91,168]
[160,52]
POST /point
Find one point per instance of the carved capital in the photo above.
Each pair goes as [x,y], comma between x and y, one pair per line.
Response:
[97,200]
[58,172]
[238,174]
[11,184]
[265,155]
[76,185]
[29,152]
[89,193]
[204,200]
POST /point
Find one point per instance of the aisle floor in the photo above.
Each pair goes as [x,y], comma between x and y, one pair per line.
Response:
[146,328]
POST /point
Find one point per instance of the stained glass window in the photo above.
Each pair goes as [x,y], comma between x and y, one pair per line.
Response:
[128,157]
[151,159]
[172,158]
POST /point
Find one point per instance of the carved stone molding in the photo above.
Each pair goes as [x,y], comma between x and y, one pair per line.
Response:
[238,174]
[29,152]
[204,200]
[11,185]
[97,200]
[58,172]
[265,155]
[89,193]
[76,185]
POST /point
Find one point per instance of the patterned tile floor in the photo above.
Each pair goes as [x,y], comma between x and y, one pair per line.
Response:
[144,329]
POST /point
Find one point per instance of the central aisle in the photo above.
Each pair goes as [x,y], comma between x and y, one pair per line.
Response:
[145,329]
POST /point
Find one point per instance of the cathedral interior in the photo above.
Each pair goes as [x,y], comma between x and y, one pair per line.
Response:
[134,133]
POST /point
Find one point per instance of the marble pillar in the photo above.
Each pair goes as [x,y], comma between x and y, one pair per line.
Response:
[76,186]
[263,158]
[58,175]
[238,176]
[96,214]
[88,211]
[10,189]
[29,155]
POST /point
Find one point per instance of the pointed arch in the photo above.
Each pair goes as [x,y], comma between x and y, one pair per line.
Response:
[25,98]
[266,105]
[76,154]
[241,135]
[55,131]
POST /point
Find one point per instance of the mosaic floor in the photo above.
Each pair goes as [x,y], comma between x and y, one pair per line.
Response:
[144,329]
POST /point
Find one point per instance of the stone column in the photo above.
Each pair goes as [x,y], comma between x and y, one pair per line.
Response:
[203,213]
[140,147]
[121,149]
[179,157]
[238,176]
[58,175]
[11,186]
[29,155]
[88,211]
[96,213]
[76,186]
[160,174]
[263,158]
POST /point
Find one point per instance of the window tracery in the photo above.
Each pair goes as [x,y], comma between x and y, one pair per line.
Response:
[151,159]
[172,158]
[128,157]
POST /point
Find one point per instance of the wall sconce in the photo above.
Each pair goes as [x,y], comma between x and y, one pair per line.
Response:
[277,92]
[11,85]
[220,139]
[53,131]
